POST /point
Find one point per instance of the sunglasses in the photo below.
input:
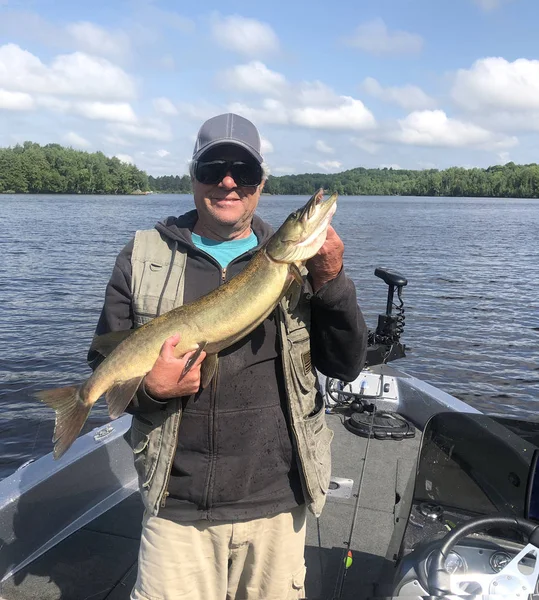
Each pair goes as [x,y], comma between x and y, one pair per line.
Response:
[214,171]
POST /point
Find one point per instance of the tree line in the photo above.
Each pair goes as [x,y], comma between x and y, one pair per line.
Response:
[31,168]
[53,169]
[507,181]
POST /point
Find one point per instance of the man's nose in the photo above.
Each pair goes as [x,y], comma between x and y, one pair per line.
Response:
[228,181]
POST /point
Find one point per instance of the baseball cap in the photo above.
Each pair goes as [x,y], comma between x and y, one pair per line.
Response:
[228,128]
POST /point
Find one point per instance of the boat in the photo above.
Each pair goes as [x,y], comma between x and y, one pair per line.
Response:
[428,497]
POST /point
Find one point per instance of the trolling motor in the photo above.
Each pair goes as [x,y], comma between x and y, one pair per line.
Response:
[384,343]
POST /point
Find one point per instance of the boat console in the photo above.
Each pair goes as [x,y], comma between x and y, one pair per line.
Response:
[473,525]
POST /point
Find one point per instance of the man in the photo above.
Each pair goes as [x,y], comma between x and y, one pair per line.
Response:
[226,473]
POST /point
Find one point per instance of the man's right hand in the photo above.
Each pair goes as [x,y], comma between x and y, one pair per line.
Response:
[165,379]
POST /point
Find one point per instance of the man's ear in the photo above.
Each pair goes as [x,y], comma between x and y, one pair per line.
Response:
[262,184]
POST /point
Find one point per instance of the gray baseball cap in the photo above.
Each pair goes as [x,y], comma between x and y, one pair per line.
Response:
[228,129]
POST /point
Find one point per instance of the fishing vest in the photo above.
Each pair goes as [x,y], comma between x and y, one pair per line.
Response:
[158,271]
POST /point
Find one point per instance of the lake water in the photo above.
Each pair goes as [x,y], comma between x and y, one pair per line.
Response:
[472,300]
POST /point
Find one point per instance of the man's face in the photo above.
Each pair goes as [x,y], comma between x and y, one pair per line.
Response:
[226,205]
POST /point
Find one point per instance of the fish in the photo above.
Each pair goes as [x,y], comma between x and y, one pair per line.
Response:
[210,324]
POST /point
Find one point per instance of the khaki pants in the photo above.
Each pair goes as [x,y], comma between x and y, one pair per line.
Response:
[260,559]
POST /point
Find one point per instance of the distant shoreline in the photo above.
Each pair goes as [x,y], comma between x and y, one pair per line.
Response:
[161,193]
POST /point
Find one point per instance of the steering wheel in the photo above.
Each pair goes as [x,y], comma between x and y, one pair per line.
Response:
[509,582]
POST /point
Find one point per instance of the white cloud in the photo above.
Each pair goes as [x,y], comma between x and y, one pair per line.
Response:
[488,5]
[266,146]
[76,74]
[245,36]
[253,77]
[76,140]
[162,153]
[146,131]
[347,114]
[97,40]
[284,169]
[118,112]
[125,158]
[435,128]
[165,107]
[315,93]
[366,145]
[409,97]
[321,146]
[16,101]
[495,83]
[351,114]
[375,38]
[329,165]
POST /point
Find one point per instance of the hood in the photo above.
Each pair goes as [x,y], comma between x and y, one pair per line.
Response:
[179,229]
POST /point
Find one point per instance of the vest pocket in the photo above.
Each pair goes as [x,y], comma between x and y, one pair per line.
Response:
[318,438]
[146,441]
[304,380]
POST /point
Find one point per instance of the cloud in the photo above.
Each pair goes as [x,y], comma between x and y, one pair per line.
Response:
[435,128]
[146,131]
[366,145]
[16,101]
[125,158]
[328,165]
[495,83]
[118,112]
[409,97]
[76,74]
[165,107]
[76,140]
[349,114]
[375,38]
[488,5]
[266,146]
[97,40]
[253,77]
[244,36]
[321,146]
[162,153]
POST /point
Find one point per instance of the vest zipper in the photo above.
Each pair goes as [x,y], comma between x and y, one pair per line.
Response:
[213,416]
[173,453]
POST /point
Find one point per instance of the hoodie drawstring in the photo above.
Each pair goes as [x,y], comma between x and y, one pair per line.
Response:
[173,256]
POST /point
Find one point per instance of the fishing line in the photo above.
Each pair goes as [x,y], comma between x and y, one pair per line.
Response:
[346,556]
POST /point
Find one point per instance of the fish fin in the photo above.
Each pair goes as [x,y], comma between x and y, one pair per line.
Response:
[208,369]
[296,273]
[120,394]
[193,358]
[293,294]
[106,343]
[71,414]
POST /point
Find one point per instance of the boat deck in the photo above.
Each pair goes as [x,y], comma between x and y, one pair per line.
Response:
[99,561]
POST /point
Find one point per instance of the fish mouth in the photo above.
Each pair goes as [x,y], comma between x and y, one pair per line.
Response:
[320,210]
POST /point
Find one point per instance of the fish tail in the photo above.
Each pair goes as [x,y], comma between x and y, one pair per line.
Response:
[71,414]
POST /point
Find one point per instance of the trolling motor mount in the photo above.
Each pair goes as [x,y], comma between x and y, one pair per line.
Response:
[384,342]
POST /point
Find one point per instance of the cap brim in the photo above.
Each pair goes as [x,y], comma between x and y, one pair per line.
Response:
[225,142]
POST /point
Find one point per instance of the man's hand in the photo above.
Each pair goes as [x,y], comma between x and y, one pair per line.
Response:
[165,379]
[327,264]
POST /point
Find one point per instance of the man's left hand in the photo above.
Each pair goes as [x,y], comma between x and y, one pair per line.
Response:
[327,264]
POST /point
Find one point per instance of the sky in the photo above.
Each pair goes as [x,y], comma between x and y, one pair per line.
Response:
[413,84]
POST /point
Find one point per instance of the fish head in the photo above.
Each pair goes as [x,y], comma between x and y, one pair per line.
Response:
[304,232]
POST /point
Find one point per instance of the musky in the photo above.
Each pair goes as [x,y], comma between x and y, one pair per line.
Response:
[403,83]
